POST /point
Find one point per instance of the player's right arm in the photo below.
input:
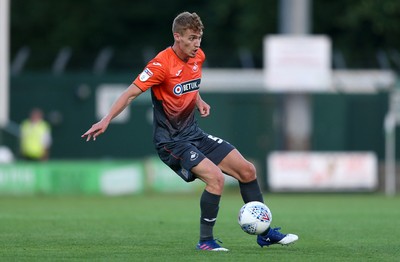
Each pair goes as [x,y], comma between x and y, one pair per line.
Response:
[119,105]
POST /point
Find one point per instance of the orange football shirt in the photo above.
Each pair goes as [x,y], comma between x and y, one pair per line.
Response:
[174,87]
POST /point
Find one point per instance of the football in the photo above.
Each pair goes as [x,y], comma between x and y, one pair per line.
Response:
[254,218]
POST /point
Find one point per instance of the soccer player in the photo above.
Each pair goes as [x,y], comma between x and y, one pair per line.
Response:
[174,78]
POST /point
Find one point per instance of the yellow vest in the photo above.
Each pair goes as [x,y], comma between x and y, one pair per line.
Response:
[33,138]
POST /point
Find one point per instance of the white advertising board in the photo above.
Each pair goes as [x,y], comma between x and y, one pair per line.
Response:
[304,171]
[106,95]
[297,63]
[122,181]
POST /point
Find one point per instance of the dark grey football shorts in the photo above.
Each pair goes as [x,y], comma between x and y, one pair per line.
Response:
[182,156]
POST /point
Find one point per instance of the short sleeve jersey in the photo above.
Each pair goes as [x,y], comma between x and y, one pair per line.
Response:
[174,88]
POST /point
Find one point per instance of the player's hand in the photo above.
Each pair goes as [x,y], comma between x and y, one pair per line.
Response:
[96,130]
[203,108]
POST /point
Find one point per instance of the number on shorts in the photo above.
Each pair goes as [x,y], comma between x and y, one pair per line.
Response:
[216,139]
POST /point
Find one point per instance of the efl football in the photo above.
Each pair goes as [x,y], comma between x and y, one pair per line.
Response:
[254,218]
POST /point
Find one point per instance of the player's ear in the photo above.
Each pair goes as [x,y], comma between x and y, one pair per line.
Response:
[177,37]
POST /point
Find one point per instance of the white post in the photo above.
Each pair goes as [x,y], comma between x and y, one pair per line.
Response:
[4,61]
[390,154]
[295,19]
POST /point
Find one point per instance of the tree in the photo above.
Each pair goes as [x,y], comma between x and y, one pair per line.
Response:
[359,28]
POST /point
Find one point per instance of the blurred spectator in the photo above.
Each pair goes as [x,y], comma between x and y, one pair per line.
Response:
[35,137]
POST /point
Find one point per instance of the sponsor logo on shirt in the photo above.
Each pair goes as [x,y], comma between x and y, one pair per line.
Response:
[145,75]
[187,87]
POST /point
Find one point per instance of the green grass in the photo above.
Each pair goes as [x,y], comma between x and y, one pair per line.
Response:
[331,227]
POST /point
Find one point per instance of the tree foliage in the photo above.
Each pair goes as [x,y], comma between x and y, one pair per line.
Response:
[360,28]
[136,30]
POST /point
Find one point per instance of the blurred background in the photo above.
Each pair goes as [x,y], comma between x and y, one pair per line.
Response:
[306,89]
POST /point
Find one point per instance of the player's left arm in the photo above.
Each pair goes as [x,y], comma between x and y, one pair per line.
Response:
[202,106]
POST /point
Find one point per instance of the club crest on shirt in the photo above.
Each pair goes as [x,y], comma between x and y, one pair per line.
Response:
[187,87]
[195,67]
[145,75]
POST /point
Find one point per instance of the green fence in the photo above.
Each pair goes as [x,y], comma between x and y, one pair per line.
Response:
[71,177]
[94,178]
[250,121]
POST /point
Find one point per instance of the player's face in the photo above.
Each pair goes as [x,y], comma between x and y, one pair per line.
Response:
[188,43]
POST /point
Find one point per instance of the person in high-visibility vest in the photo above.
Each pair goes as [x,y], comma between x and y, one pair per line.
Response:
[35,137]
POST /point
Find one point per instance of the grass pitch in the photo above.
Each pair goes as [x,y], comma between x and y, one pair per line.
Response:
[331,227]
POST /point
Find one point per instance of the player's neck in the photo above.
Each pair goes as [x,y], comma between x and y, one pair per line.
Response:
[179,53]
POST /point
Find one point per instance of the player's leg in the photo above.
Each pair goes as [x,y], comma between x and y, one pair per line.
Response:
[231,162]
[235,165]
[212,176]
[190,163]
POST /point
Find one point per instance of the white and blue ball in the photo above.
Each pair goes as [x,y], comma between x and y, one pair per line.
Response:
[254,218]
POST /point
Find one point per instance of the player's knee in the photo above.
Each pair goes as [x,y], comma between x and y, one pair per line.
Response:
[217,182]
[214,179]
[248,172]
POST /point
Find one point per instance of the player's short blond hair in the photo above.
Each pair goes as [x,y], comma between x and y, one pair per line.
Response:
[186,20]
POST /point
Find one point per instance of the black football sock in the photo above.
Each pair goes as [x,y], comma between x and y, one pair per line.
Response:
[209,206]
[251,191]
